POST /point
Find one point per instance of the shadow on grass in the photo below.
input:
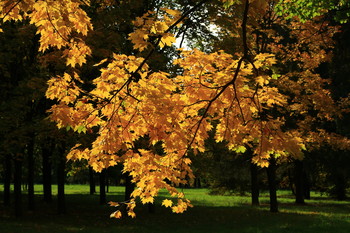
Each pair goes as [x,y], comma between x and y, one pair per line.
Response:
[86,215]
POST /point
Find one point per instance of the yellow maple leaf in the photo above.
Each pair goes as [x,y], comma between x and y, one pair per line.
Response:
[171,11]
[167,203]
[167,39]
[116,214]
[131,214]
[114,204]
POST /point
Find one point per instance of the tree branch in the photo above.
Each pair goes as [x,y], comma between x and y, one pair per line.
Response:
[232,82]
[8,12]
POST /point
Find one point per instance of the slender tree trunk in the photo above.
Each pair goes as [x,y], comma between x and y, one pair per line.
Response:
[129,187]
[7,180]
[151,208]
[102,176]
[17,187]
[107,180]
[340,188]
[92,181]
[271,176]
[254,184]
[306,186]
[291,182]
[197,182]
[46,170]
[61,177]
[299,182]
[30,156]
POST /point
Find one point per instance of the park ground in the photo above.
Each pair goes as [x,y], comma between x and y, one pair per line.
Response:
[210,214]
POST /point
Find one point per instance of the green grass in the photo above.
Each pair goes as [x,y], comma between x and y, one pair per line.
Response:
[210,214]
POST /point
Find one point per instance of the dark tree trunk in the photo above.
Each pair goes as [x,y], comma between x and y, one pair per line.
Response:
[197,182]
[102,175]
[61,178]
[129,187]
[151,208]
[291,181]
[17,187]
[254,184]
[340,188]
[107,181]
[271,176]
[30,156]
[299,182]
[92,181]
[306,187]
[7,180]
[47,151]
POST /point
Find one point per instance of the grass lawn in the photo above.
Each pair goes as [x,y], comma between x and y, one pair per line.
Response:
[210,214]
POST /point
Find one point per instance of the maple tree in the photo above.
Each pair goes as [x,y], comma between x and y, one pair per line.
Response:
[252,94]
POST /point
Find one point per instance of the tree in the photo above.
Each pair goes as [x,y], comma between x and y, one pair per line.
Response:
[309,9]
[18,72]
[47,149]
[264,97]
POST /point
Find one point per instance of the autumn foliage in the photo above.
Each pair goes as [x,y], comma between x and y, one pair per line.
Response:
[259,98]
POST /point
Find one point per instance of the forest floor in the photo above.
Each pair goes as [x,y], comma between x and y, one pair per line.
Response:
[210,214]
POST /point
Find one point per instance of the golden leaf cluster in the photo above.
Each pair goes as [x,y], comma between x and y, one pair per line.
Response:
[61,24]
[152,26]
[247,98]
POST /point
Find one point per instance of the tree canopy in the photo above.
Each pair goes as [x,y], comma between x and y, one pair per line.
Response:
[257,82]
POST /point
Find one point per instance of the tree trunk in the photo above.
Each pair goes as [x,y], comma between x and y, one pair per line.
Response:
[197,182]
[254,184]
[340,188]
[92,181]
[47,151]
[61,177]
[271,176]
[299,182]
[7,180]
[107,181]
[129,187]
[30,156]
[306,187]
[151,208]
[17,187]
[102,176]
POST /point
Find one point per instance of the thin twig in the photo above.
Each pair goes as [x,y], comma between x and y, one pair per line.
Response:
[8,12]
[232,82]
[54,27]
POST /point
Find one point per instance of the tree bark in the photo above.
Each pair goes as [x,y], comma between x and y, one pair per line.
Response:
[47,151]
[129,187]
[61,177]
[299,182]
[107,180]
[103,199]
[7,180]
[30,156]
[197,182]
[17,187]
[92,181]
[307,190]
[271,176]
[254,184]
[340,188]
[151,208]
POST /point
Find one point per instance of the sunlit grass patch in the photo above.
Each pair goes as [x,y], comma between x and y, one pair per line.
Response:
[210,214]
